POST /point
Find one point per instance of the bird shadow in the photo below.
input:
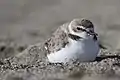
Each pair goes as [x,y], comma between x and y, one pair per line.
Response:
[100,58]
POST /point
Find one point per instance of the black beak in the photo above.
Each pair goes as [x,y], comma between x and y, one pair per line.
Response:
[93,34]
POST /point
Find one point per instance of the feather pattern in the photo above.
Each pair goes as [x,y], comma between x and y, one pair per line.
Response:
[58,40]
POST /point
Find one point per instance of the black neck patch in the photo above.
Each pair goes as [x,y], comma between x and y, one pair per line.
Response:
[74,37]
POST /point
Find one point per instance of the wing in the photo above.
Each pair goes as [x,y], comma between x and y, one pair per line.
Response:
[58,40]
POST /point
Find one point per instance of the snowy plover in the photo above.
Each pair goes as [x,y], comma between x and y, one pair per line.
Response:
[75,40]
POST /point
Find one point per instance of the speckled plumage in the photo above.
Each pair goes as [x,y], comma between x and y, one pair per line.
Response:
[73,40]
[58,40]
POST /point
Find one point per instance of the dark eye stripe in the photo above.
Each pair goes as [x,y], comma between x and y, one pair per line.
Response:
[78,28]
[81,29]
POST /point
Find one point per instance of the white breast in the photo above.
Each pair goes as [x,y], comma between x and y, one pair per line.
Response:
[84,50]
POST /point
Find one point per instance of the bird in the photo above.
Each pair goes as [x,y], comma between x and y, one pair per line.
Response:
[75,40]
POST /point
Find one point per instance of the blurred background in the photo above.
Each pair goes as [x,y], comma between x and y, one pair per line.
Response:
[31,21]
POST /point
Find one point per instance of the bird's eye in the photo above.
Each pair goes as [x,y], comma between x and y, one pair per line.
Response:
[78,28]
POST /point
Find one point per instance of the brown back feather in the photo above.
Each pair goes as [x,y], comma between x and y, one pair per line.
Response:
[58,40]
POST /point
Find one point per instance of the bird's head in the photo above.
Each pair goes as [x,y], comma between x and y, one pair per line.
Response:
[82,28]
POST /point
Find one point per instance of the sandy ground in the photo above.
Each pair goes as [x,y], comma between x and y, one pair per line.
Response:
[32,64]
[26,22]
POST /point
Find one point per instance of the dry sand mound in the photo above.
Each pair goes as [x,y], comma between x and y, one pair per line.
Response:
[31,64]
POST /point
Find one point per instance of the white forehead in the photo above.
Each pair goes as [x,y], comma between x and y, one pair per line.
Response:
[81,27]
